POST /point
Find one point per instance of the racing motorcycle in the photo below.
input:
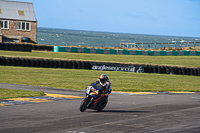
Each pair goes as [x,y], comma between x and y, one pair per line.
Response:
[93,99]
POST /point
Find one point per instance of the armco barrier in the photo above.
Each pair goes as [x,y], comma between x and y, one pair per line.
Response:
[126,52]
[105,66]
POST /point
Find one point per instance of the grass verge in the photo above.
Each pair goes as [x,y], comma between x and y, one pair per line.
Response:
[185,61]
[8,93]
[78,79]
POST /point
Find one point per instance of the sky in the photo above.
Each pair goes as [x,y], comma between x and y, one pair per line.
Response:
[153,17]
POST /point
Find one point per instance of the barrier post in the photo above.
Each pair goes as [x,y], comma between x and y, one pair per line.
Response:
[113,51]
[138,52]
[61,49]
[126,52]
[175,53]
[86,50]
[56,49]
[150,52]
[163,53]
[186,52]
[99,51]
[197,53]
[74,49]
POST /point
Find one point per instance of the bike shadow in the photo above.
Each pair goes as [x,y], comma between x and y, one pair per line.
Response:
[121,111]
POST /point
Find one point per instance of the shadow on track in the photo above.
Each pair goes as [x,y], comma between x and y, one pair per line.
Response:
[121,111]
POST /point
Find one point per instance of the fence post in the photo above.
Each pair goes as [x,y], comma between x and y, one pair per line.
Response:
[168,44]
[155,46]
[142,45]
[175,44]
[194,44]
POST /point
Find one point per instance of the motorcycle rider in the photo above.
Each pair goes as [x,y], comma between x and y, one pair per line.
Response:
[105,85]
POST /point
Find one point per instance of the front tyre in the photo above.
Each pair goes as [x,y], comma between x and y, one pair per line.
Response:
[84,104]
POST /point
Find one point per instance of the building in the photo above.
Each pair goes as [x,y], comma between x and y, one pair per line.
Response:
[18,22]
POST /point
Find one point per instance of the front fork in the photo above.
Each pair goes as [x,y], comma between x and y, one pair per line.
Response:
[91,100]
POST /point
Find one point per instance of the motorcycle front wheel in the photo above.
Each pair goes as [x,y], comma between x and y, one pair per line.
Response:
[84,104]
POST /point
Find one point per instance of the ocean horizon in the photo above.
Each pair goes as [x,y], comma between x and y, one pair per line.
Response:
[68,37]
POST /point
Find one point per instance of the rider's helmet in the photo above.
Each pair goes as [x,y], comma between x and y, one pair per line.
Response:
[103,79]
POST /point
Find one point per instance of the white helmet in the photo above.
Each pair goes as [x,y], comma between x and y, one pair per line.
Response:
[103,79]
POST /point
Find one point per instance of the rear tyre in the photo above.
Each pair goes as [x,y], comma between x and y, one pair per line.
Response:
[84,104]
[103,105]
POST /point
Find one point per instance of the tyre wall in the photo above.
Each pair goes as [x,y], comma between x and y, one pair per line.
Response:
[24,47]
[72,64]
[16,47]
[42,47]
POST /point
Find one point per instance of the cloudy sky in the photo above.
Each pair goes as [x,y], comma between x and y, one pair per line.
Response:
[155,17]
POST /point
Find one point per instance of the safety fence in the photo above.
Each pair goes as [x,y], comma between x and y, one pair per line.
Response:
[30,47]
[125,52]
[159,45]
[92,65]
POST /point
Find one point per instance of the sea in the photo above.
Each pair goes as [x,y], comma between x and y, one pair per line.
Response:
[66,37]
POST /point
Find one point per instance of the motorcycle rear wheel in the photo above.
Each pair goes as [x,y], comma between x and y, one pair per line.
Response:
[103,105]
[84,104]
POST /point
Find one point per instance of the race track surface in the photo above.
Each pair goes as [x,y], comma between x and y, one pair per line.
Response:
[124,113]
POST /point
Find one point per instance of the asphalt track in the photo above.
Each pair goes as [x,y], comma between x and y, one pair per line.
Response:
[134,113]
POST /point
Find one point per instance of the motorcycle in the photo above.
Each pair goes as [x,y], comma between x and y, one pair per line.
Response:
[93,99]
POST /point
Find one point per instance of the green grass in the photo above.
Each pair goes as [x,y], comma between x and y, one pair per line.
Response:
[9,93]
[187,61]
[78,79]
